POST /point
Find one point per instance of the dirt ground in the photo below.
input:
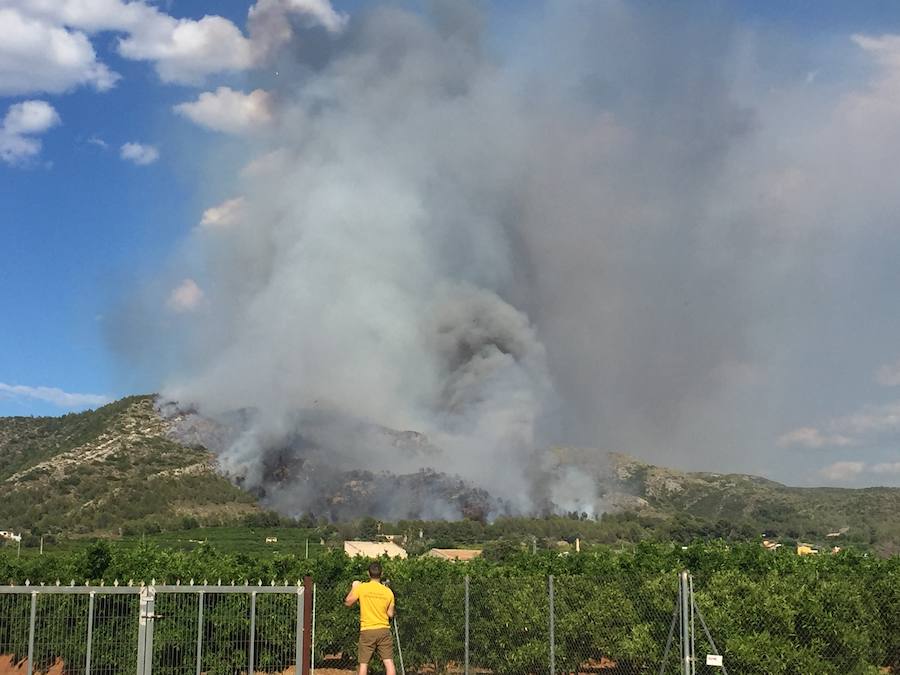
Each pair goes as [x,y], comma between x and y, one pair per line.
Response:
[8,666]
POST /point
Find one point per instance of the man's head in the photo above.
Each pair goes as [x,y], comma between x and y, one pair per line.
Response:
[375,570]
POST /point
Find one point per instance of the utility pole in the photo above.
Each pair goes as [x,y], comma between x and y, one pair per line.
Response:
[42,544]
[307,547]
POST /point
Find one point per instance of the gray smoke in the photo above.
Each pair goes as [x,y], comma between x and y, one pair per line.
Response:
[370,271]
[582,241]
[424,221]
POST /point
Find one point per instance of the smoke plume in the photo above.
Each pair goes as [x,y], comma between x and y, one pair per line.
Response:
[424,222]
[576,236]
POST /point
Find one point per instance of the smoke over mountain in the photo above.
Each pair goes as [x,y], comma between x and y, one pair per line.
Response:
[422,222]
[572,231]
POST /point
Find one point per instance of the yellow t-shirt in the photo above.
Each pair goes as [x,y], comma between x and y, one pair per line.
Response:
[374,600]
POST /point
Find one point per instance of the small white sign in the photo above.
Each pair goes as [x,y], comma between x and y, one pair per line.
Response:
[714,660]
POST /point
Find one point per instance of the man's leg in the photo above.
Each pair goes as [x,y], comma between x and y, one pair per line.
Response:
[386,651]
[365,651]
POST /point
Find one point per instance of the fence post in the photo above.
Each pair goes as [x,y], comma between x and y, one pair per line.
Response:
[466,671]
[304,625]
[686,656]
[150,617]
[312,640]
[146,615]
[552,628]
[142,630]
[31,632]
[690,583]
[90,634]
[252,631]
[199,632]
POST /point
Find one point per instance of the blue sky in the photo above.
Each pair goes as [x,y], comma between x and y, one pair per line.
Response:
[103,182]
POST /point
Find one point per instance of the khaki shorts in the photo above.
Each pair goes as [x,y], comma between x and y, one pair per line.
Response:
[375,639]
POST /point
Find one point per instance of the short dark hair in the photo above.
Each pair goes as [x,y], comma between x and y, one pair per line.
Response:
[375,570]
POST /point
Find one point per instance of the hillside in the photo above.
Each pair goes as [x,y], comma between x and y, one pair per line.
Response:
[118,469]
[866,516]
[107,469]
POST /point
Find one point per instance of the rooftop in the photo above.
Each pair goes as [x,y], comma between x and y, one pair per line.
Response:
[464,554]
[373,549]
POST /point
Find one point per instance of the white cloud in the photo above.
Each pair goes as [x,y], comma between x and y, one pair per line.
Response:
[230,111]
[872,420]
[889,375]
[185,297]
[45,44]
[224,215]
[57,397]
[810,437]
[182,50]
[89,15]
[23,121]
[30,117]
[99,142]
[139,153]
[187,51]
[843,470]
[885,48]
[886,468]
[39,56]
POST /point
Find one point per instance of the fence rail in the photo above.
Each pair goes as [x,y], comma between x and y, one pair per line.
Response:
[161,629]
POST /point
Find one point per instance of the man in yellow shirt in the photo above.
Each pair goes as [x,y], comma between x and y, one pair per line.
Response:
[376,609]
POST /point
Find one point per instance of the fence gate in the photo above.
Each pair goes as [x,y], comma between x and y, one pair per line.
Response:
[152,630]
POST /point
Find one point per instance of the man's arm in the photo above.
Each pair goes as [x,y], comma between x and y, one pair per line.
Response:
[352,597]
[391,610]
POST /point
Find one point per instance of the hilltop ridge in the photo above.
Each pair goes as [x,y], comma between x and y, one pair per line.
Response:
[120,468]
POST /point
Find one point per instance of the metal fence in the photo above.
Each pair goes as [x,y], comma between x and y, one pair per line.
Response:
[160,629]
[634,623]
[561,624]
[623,623]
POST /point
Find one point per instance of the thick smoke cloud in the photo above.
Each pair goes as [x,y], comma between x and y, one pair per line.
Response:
[368,271]
[596,235]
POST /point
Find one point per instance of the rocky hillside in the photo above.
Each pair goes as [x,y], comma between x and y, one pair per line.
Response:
[866,516]
[120,468]
[109,469]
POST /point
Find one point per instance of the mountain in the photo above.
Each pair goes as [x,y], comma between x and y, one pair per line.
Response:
[126,467]
[107,469]
[868,516]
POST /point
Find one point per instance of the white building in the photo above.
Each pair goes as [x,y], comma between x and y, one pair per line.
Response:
[373,549]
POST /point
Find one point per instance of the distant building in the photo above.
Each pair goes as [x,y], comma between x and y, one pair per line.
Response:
[455,554]
[271,540]
[10,536]
[806,549]
[770,545]
[373,549]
